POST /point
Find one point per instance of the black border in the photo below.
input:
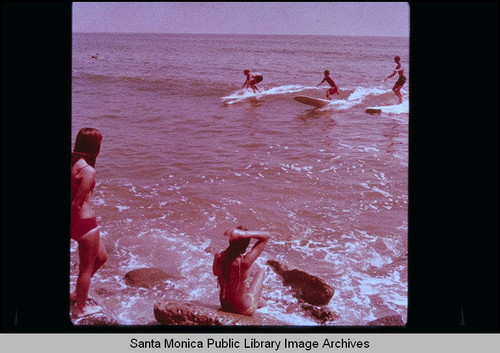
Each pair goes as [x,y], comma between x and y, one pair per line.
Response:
[453,207]
[36,111]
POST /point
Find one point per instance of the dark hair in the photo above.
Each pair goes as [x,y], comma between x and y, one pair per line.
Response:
[235,249]
[397,58]
[327,72]
[87,146]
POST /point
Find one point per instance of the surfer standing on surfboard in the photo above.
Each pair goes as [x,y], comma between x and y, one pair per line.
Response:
[334,88]
[252,80]
[402,78]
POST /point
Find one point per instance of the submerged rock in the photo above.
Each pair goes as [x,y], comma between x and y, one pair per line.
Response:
[102,317]
[320,314]
[146,277]
[393,320]
[98,319]
[193,313]
[307,287]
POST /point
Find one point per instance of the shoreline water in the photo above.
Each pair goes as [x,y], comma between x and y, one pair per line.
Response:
[179,165]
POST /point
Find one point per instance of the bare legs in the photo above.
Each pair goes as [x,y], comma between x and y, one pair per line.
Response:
[254,87]
[92,254]
[255,287]
[396,89]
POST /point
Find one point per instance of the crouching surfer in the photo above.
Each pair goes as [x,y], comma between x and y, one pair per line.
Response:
[252,80]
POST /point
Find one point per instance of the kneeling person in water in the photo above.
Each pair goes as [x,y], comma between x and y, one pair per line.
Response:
[240,293]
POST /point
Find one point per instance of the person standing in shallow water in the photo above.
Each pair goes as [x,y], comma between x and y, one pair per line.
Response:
[401,81]
[238,292]
[84,230]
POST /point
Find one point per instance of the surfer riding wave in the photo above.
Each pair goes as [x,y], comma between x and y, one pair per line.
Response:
[333,89]
[401,80]
[252,80]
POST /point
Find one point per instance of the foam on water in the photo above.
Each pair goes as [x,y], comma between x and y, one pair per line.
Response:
[187,154]
[402,108]
[243,94]
[348,99]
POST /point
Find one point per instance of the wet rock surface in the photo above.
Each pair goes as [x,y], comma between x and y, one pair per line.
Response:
[146,277]
[195,313]
[102,317]
[307,287]
[393,320]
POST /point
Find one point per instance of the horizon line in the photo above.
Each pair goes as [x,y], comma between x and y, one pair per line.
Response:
[247,34]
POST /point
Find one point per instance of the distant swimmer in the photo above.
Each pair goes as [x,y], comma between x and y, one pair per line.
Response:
[239,293]
[334,88]
[95,56]
[402,78]
[252,80]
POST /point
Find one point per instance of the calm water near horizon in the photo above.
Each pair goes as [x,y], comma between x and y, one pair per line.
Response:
[187,154]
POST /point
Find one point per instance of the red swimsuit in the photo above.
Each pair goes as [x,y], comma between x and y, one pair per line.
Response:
[80,227]
[333,89]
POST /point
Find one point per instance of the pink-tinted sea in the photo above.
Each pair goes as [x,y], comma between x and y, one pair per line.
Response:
[187,153]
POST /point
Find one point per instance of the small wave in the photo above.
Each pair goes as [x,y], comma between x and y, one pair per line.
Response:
[361,93]
[243,94]
[348,98]
[371,97]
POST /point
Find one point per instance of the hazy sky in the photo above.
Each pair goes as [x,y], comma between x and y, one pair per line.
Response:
[330,18]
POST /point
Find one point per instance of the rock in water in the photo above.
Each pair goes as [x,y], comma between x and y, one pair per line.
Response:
[393,320]
[321,314]
[98,319]
[146,277]
[193,313]
[307,287]
[102,316]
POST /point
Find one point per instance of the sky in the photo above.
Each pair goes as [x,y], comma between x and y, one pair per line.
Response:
[310,18]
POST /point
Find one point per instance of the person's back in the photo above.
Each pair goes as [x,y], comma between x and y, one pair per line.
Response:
[82,171]
[252,80]
[240,292]
[329,80]
[234,294]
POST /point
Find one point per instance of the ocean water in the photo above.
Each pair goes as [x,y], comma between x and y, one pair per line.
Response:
[187,154]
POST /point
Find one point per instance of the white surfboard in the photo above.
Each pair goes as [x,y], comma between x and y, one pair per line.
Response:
[316,102]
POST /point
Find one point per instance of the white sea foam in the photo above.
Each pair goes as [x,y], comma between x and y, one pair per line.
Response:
[385,193]
[178,189]
[402,108]
[242,94]
[361,93]
[99,201]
